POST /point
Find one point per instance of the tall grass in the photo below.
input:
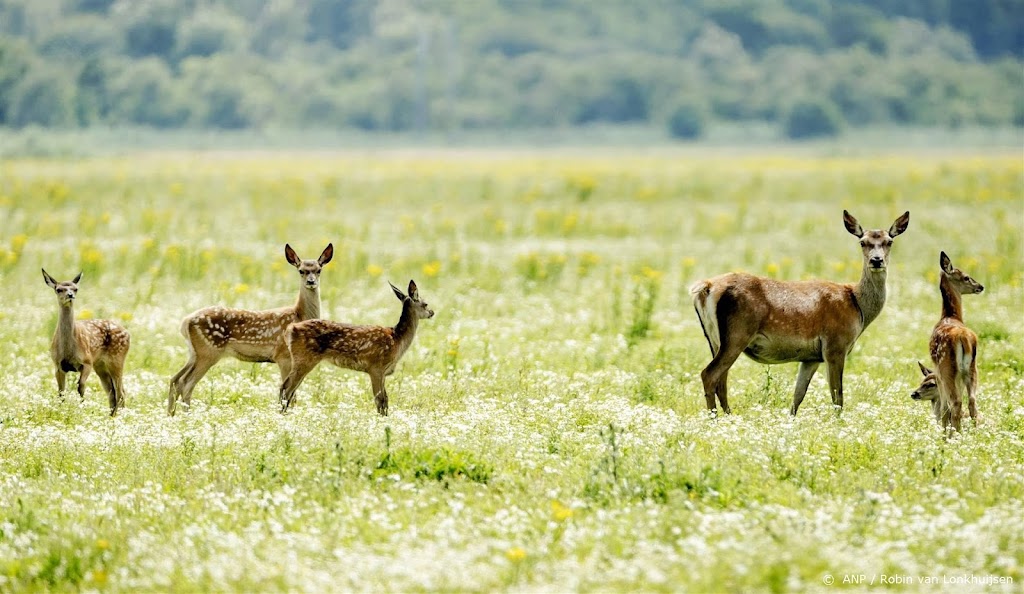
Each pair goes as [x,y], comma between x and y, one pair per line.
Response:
[547,430]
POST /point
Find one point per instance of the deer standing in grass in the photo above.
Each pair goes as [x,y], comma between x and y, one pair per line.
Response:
[806,322]
[928,391]
[954,351]
[371,349]
[85,345]
[215,332]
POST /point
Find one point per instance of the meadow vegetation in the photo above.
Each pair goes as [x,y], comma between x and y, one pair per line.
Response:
[547,428]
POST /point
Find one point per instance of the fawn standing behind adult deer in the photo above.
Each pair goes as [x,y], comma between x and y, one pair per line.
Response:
[85,345]
[809,322]
[215,332]
[954,351]
[372,349]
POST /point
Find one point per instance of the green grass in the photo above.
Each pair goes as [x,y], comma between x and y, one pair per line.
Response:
[548,428]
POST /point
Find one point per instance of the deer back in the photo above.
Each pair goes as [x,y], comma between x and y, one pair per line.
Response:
[804,310]
[361,348]
[251,335]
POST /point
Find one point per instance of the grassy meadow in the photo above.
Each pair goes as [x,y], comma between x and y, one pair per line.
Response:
[548,430]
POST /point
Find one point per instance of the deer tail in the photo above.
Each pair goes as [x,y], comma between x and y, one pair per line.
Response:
[705,305]
[963,350]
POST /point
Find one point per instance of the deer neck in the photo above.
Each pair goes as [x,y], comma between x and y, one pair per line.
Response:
[870,293]
[405,330]
[952,302]
[308,305]
[65,337]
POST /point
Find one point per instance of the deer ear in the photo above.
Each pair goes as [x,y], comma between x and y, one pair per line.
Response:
[77,278]
[924,370]
[413,291]
[327,254]
[852,225]
[945,264]
[398,292]
[900,225]
[49,279]
[291,256]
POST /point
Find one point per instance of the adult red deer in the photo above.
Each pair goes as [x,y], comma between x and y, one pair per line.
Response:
[954,351]
[215,332]
[806,322]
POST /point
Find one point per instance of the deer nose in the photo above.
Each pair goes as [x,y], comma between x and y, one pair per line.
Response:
[877,261]
[916,396]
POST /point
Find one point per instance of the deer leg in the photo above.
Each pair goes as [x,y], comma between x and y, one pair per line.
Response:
[956,411]
[117,377]
[174,391]
[718,370]
[722,391]
[108,387]
[61,376]
[291,383]
[283,358]
[380,395]
[190,380]
[835,363]
[803,379]
[972,387]
[82,376]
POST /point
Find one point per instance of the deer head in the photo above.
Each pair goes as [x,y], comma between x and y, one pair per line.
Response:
[929,388]
[963,284]
[65,290]
[876,243]
[309,270]
[419,308]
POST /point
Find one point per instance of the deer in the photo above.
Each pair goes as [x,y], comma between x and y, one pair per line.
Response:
[808,322]
[928,391]
[213,333]
[374,350]
[86,345]
[954,351]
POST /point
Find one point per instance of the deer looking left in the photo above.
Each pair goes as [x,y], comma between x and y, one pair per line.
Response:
[84,345]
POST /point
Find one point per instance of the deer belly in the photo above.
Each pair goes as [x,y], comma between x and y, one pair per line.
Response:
[251,353]
[767,349]
[67,366]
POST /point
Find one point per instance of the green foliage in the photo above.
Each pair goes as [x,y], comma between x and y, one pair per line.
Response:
[143,92]
[443,464]
[43,98]
[15,63]
[396,66]
[687,119]
[813,118]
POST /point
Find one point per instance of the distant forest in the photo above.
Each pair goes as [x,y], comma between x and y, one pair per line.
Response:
[399,65]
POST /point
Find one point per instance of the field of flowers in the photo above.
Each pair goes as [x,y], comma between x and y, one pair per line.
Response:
[548,429]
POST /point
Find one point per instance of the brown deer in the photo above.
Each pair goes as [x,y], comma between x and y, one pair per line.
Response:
[85,345]
[954,351]
[215,332]
[928,391]
[808,322]
[371,349]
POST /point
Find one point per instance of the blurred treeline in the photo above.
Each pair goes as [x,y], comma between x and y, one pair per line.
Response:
[395,65]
